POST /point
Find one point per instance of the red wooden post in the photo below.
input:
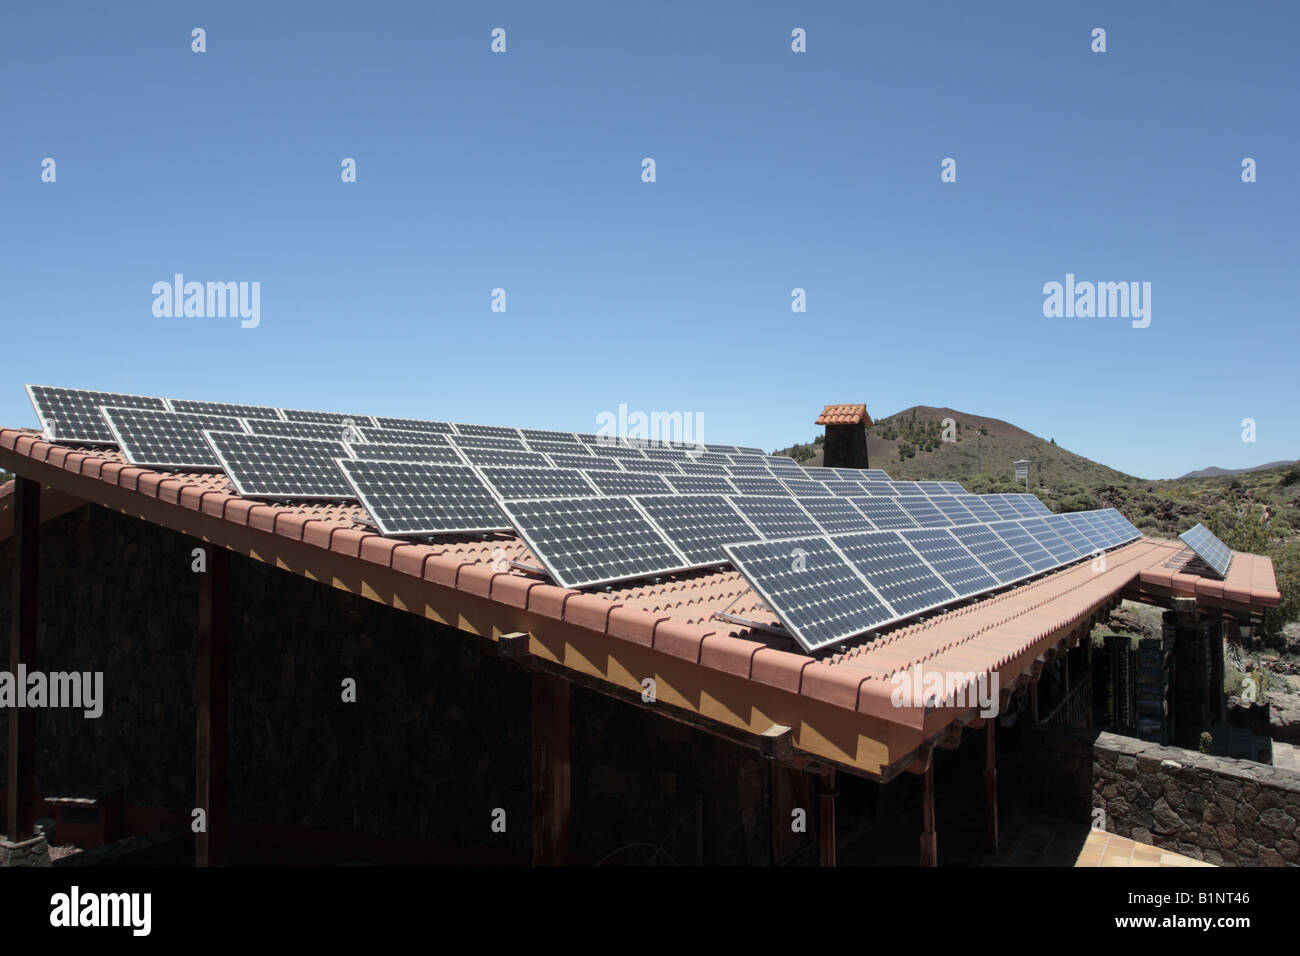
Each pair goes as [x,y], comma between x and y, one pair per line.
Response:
[826,793]
[212,693]
[21,809]
[551,773]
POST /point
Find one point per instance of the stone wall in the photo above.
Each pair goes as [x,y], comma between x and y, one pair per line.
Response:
[1218,809]
[437,739]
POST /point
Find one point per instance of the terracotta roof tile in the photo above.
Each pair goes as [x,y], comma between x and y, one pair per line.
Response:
[844,415]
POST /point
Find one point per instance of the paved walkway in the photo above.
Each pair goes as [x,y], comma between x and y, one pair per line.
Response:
[1037,839]
[1286,756]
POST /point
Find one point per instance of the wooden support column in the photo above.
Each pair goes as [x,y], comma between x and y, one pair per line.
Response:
[1033,702]
[990,787]
[826,794]
[212,706]
[551,770]
[929,839]
[21,810]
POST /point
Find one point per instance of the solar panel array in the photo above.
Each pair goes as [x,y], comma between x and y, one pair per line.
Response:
[1209,548]
[836,552]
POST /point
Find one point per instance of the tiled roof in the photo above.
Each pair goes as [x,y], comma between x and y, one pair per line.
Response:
[1004,633]
[844,415]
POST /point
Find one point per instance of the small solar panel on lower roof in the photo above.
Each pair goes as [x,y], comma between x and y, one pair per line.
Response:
[269,466]
[1208,548]
[836,515]
[585,462]
[414,425]
[1056,546]
[992,552]
[418,498]
[505,459]
[225,409]
[173,440]
[382,451]
[583,542]
[701,485]
[895,571]
[884,513]
[959,569]
[401,436]
[325,418]
[487,441]
[923,512]
[697,525]
[537,482]
[775,517]
[319,430]
[759,486]
[629,483]
[1023,544]
[810,586]
[72,415]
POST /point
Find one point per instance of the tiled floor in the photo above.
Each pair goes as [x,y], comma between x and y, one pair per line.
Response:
[1041,840]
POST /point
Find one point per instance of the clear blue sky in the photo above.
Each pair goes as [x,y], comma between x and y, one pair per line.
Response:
[775,170]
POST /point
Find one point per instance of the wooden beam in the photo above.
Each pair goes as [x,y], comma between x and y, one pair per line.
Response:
[552,740]
[990,789]
[929,838]
[212,699]
[826,794]
[21,809]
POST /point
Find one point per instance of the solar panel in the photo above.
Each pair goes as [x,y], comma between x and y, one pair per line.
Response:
[810,586]
[225,409]
[836,515]
[486,441]
[951,561]
[652,466]
[749,471]
[418,498]
[1128,531]
[749,450]
[932,488]
[73,414]
[558,447]
[318,430]
[1001,507]
[953,509]
[586,462]
[172,440]
[923,512]
[614,451]
[752,460]
[488,431]
[383,451]
[709,458]
[843,487]
[664,454]
[1066,529]
[896,571]
[505,459]
[993,553]
[700,484]
[414,425]
[805,488]
[628,484]
[268,466]
[779,517]
[1209,548]
[760,486]
[325,418]
[978,507]
[583,542]
[907,489]
[953,487]
[537,482]
[1056,546]
[884,513]
[1035,505]
[697,525]
[401,436]
[560,438]
[879,488]
[1023,544]
[874,474]
[689,467]
[722,449]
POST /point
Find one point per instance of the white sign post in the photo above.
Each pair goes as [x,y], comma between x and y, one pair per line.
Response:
[1022,472]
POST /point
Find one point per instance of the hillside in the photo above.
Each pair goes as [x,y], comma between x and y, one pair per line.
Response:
[1213,472]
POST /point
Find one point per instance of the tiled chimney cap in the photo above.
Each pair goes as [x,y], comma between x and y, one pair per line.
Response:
[845,415]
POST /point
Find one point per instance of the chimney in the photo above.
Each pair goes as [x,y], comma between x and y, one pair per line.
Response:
[846,436]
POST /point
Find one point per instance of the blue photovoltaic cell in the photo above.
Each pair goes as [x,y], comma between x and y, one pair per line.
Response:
[690,467]
[923,512]
[1023,544]
[510,483]
[978,507]
[951,561]
[993,553]
[406,498]
[819,598]
[268,466]
[436,454]
[586,462]
[172,440]
[400,436]
[562,438]
[414,425]
[1002,508]
[583,542]
[652,466]
[805,488]
[1066,529]
[700,484]
[844,488]
[72,415]
[884,513]
[874,474]
[227,409]
[627,484]
[953,510]
[325,418]
[501,443]
[836,515]
[488,431]
[907,489]
[749,471]
[697,525]
[1209,548]
[879,488]
[324,431]
[760,486]
[895,571]
[1057,547]
[505,458]
[775,517]
[630,455]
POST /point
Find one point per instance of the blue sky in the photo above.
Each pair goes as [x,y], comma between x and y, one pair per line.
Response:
[775,170]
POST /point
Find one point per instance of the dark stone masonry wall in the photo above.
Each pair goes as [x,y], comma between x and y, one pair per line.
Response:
[436,740]
[1218,809]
